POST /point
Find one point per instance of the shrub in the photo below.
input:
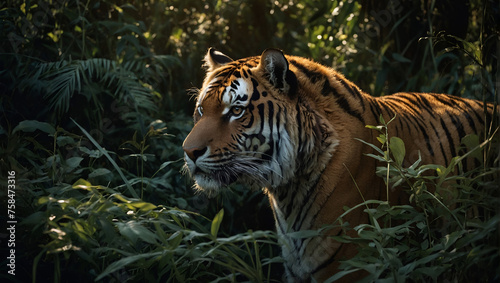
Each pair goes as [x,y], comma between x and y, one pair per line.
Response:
[435,238]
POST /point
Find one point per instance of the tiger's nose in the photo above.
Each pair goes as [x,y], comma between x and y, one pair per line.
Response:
[194,152]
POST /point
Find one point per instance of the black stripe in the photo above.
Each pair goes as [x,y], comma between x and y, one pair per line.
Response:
[255,94]
[453,102]
[245,73]
[387,109]
[438,138]
[424,103]
[344,104]
[250,122]
[312,75]
[270,113]
[427,140]
[308,198]
[260,107]
[315,76]
[375,109]
[353,90]
[238,74]
[480,117]
[458,125]
[441,98]
[278,121]
[468,116]
[406,101]
[451,144]
[327,88]
[225,73]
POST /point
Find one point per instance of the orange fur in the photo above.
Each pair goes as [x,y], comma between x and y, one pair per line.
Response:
[297,137]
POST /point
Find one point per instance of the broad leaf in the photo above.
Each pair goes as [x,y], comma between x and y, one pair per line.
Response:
[32,125]
[397,147]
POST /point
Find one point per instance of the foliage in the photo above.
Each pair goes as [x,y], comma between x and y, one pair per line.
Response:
[436,238]
[107,234]
[124,239]
[94,113]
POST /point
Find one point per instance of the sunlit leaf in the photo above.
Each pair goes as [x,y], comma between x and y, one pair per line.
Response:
[82,184]
[142,205]
[214,229]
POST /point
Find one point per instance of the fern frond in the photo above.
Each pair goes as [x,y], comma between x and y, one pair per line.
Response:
[60,81]
[63,84]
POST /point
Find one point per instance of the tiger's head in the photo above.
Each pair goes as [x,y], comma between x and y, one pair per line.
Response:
[242,127]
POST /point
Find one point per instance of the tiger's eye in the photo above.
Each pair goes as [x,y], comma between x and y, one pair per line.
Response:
[237,110]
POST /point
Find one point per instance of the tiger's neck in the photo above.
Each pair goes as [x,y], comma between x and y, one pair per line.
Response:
[322,121]
[323,170]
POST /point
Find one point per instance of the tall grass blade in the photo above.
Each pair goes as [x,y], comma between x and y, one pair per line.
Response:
[105,152]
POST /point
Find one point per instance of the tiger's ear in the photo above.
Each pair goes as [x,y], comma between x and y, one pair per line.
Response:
[275,67]
[214,59]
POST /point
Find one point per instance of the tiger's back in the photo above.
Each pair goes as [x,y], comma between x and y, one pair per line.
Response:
[290,126]
[431,123]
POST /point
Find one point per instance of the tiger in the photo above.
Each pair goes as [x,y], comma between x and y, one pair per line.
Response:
[290,126]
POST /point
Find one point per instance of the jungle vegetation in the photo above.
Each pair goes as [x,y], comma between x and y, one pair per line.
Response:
[94,109]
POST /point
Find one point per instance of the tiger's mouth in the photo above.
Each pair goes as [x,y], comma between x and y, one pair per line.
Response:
[247,170]
[213,182]
[222,177]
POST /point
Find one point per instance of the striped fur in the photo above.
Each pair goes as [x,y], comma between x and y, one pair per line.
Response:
[288,125]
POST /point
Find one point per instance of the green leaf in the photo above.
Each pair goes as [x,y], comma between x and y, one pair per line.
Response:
[400,58]
[65,140]
[92,153]
[165,164]
[134,231]
[371,145]
[82,184]
[214,229]
[105,152]
[397,147]
[175,239]
[73,162]
[120,264]
[377,128]
[33,125]
[381,119]
[382,139]
[121,198]
[142,205]
[473,146]
[99,172]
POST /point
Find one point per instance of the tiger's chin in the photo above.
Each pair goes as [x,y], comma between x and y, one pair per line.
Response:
[209,184]
[212,184]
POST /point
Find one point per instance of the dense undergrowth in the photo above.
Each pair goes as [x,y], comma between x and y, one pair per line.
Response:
[94,112]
